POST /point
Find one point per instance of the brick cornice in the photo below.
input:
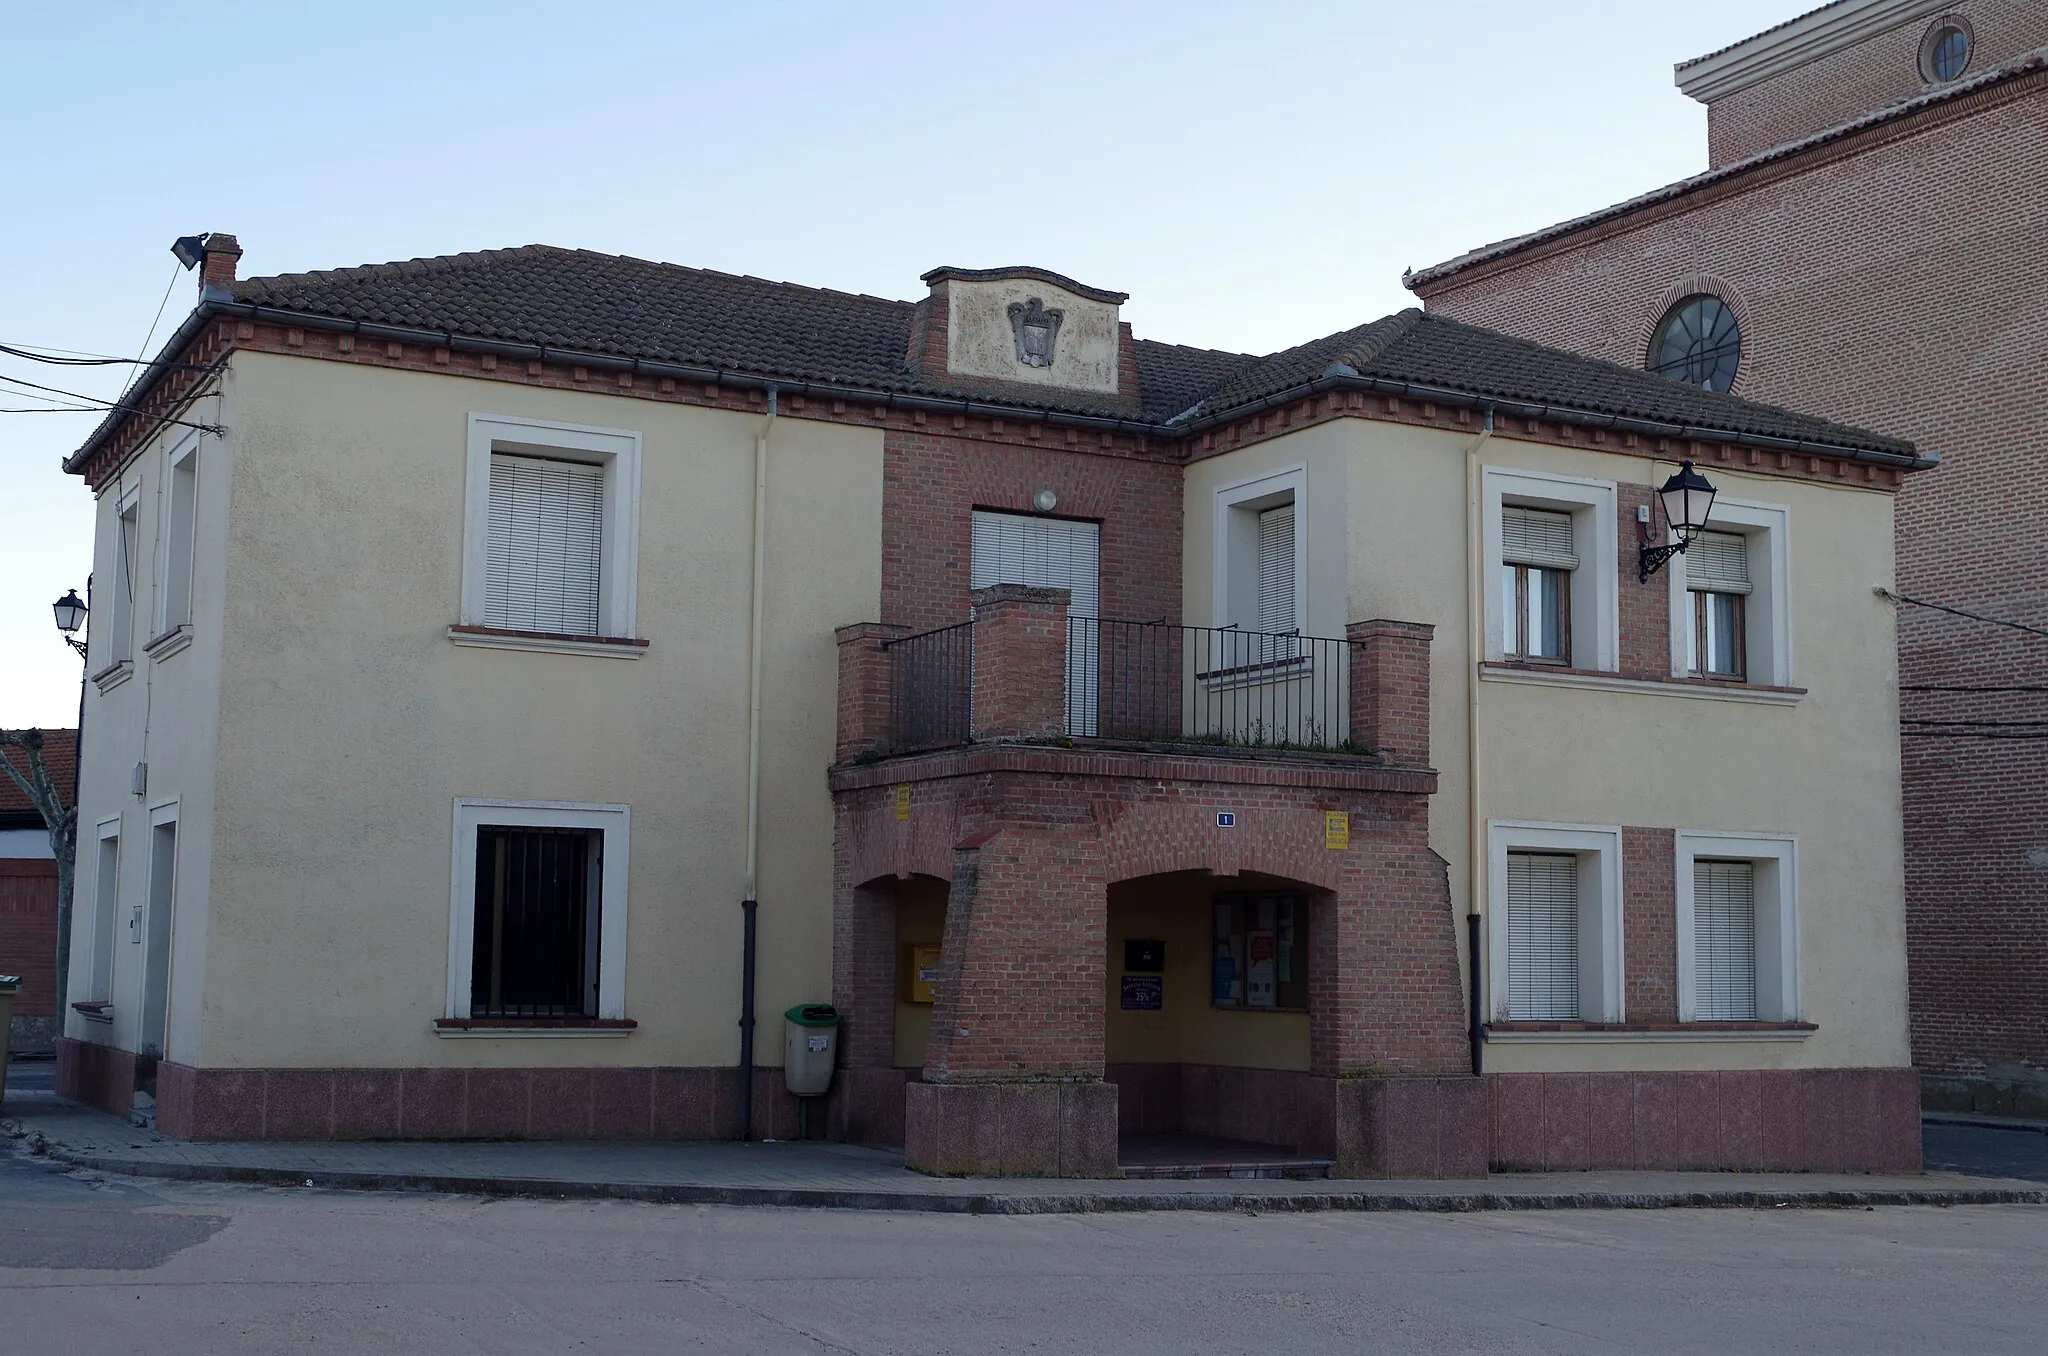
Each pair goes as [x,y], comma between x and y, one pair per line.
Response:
[1265,768]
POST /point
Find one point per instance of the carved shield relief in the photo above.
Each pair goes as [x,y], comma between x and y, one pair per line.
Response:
[1036,331]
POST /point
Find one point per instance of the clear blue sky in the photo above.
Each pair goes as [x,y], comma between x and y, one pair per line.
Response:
[1253,175]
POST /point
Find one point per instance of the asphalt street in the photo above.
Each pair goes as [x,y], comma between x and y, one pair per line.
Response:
[89,1265]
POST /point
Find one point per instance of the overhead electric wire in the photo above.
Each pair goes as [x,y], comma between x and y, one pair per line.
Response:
[156,320]
[108,407]
[91,360]
[1959,612]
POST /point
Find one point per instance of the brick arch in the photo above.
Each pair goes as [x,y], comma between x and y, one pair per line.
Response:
[1151,839]
[876,846]
[1698,285]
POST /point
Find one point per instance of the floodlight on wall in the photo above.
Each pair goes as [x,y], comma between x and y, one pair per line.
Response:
[190,249]
[1688,499]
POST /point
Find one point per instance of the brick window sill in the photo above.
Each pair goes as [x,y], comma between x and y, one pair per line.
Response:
[547,642]
[1599,680]
[1653,1033]
[534,1028]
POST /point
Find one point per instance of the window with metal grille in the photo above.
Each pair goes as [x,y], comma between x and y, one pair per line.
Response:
[536,932]
[1724,940]
[1717,584]
[1699,343]
[1543,937]
[545,549]
[1536,564]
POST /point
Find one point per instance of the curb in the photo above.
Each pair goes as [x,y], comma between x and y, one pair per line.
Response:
[1070,1203]
[1980,1122]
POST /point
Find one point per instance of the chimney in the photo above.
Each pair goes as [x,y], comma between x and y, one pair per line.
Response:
[218,270]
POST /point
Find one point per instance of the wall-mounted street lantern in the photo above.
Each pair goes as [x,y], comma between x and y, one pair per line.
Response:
[70,610]
[1688,498]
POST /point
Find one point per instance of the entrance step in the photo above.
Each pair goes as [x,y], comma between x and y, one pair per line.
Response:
[1205,1156]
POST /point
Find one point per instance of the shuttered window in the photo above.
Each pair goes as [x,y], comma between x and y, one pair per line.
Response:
[1047,553]
[1543,937]
[1724,940]
[1537,537]
[545,550]
[1276,570]
[1718,561]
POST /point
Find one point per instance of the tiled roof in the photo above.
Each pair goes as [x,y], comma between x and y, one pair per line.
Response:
[606,304]
[1797,18]
[2027,65]
[60,754]
[1435,351]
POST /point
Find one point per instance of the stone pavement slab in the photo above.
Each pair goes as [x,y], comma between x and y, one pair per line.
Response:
[844,1176]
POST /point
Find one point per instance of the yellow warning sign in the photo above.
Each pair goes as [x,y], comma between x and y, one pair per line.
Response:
[1336,830]
[903,802]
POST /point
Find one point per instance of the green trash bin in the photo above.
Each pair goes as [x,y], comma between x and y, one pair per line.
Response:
[810,1045]
[10,985]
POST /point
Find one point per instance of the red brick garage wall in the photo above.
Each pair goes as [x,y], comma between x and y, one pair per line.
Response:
[28,933]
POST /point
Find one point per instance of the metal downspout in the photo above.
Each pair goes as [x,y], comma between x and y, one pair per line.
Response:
[749,906]
[1475,652]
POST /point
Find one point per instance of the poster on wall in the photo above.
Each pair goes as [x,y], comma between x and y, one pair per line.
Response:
[1259,967]
[1144,993]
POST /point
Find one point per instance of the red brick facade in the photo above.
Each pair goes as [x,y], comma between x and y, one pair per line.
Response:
[1889,279]
[28,936]
[1847,83]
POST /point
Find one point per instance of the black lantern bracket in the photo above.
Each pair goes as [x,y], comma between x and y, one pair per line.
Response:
[1688,500]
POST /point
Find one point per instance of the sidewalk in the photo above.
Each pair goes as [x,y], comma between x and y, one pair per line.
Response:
[844,1176]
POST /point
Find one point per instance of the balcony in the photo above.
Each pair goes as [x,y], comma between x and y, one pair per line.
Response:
[1023,671]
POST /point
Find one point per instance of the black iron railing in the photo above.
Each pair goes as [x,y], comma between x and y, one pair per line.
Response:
[1206,684]
[1148,681]
[931,688]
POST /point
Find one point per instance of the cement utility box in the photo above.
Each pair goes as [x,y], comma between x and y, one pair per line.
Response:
[811,1044]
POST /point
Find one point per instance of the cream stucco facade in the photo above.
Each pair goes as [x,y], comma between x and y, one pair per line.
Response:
[1384,508]
[320,726]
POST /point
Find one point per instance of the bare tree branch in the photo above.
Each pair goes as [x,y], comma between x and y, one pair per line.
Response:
[61,823]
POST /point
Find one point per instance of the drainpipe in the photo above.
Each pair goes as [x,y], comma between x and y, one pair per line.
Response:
[1475,643]
[750,905]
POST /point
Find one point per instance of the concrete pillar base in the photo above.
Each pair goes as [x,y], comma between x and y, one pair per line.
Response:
[1011,1129]
[1412,1127]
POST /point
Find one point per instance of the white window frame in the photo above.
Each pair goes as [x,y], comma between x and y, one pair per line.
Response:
[127,577]
[1776,859]
[1598,848]
[1767,620]
[1595,591]
[617,450]
[613,821]
[1235,545]
[106,913]
[178,559]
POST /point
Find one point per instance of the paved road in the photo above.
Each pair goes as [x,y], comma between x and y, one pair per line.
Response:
[90,1266]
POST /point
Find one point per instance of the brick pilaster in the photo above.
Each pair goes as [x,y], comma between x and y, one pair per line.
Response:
[1020,662]
[863,687]
[1390,688]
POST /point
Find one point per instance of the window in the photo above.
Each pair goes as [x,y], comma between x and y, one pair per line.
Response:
[538,911]
[1717,584]
[1543,936]
[546,545]
[1724,941]
[181,500]
[1698,342]
[1554,923]
[106,896]
[1260,558]
[536,943]
[1738,931]
[120,628]
[1536,566]
[551,531]
[1057,553]
[1730,597]
[1552,596]
[1945,51]
[1261,953]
